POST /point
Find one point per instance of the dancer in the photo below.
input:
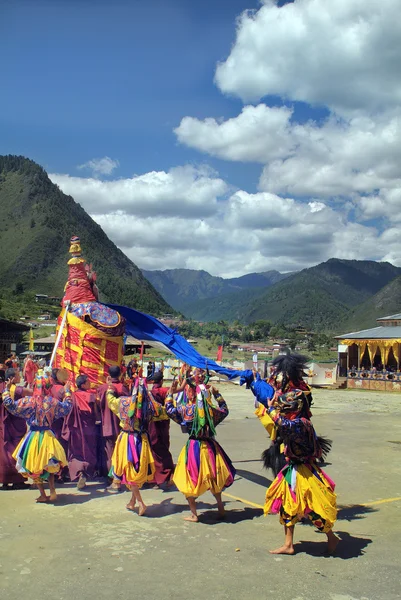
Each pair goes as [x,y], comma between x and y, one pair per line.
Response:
[202,464]
[301,488]
[12,430]
[159,435]
[39,455]
[110,423]
[30,370]
[287,372]
[80,432]
[59,378]
[132,461]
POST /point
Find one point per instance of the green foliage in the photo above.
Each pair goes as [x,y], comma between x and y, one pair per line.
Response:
[37,223]
[184,287]
[324,298]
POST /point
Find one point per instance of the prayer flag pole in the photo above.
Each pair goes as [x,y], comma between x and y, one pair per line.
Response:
[60,332]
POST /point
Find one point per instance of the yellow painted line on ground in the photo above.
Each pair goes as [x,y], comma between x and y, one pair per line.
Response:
[382,501]
[243,500]
[249,503]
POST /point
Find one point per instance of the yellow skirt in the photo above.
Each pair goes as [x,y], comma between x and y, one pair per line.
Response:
[203,465]
[303,490]
[39,454]
[132,461]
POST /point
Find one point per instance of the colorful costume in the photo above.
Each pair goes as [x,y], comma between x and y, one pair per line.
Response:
[202,464]
[301,488]
[110,423]
[92,335]
[132,461]
[159,437]
[12,430]
[80,433]
[39,453]
[30,370]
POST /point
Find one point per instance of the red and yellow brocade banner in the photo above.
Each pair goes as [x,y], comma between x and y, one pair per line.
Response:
[83,349]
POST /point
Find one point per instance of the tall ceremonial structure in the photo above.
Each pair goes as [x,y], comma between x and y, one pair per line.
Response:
[89,335]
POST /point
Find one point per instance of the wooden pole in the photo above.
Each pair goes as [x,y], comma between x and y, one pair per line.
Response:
[60,332]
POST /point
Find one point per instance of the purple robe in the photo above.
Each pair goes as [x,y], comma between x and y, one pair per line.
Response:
[159,438]
[12,430]
[80,432]
[110,425]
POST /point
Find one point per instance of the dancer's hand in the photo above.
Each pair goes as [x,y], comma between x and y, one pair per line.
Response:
[67,387]
[10,381]
[173,388]
[215,391]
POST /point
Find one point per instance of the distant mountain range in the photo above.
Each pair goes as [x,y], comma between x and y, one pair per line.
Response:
[37,222]
[331,296]
[182,288]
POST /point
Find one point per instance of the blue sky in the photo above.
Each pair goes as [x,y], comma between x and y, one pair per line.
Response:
[241,133]
[102,78]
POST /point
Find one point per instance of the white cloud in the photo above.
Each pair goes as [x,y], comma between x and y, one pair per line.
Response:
[183,191]
[238,234]
[101,166]
[322,184]
[337,157]
[258,134]
[342,54]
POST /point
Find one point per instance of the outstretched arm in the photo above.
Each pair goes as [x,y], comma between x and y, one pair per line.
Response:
[220,413]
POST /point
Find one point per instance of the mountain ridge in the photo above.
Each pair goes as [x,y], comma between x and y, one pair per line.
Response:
[324,296]
[38,222]
[182,287]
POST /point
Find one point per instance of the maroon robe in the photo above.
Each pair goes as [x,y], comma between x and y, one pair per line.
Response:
[110,425]
[80,432]
[159,438]
[12,430]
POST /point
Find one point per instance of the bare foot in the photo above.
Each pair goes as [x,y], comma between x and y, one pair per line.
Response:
[141,509]
[221,514]
[53,497]
[283,550]
[332,544]
[42,499]
[130,505]
[192,518]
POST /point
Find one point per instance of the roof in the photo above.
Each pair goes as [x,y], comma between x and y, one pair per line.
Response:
[46,340]
[7,325]
[376,333]
[35,353]
[390,318]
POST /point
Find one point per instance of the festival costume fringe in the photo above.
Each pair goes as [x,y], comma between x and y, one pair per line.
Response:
[39,454]
[203,465]
[301,490]
[132,461]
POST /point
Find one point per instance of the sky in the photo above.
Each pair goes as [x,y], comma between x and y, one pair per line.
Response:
[233,136]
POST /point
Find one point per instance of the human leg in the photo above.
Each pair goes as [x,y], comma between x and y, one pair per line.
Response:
[43,497]
[193,517]
[288,546]
[220,505]
[136,497]
[52,487]
[288,521]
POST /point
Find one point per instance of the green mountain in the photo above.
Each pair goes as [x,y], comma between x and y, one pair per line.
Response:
[185,288]
[386,302]
[37,223]
[321,297]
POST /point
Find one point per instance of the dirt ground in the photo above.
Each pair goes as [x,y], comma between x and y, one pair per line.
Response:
[89,546]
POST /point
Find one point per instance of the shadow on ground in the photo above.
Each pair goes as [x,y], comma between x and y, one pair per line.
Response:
[254,477]
[349,547]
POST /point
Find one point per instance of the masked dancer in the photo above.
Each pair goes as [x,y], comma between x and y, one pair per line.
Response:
[202,464]
[39,455]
